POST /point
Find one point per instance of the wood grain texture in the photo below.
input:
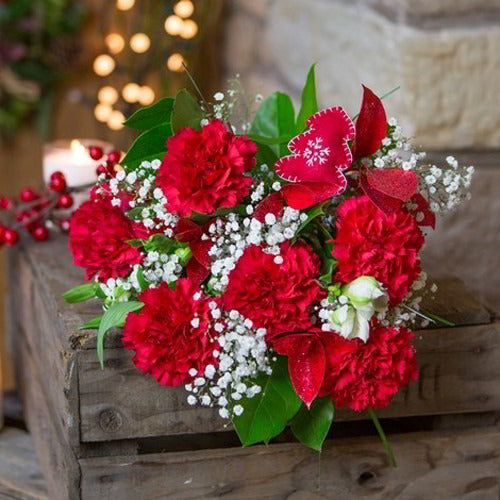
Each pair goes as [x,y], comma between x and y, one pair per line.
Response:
[430,465]
[20,474]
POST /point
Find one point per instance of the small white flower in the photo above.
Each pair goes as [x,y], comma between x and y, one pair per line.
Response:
[219,96]
[238,410]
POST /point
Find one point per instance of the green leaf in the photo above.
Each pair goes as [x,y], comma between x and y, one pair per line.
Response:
[383,437]
[312,213]
[274,119]
[270,141]
[160,243]
[92,324]
[309,104]
[437,319]
[267,414]
[113,317]
[148,146]
[135,213]
[136,242]
[311,427]
[81,293]
[157,114]
[186,112]
[143,282]
[201,218]
[265,155]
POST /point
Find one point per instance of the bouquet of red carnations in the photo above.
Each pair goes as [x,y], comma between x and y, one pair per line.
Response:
[271,266]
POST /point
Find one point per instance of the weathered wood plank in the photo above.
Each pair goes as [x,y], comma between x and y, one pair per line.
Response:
[459,373]
[20,474]
[57,459]
[430,465]
[35,317]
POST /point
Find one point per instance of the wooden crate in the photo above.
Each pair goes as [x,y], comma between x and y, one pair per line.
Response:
[115,433]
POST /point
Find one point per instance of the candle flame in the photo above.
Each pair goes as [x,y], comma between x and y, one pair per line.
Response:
[78,148]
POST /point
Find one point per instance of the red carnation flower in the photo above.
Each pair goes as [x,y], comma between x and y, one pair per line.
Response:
[204,171]
[275,296]
[368,375]
[385,246]
[98,237]
[166,343]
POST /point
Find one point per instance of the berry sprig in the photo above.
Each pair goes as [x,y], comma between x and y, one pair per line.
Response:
[110,160]
[34,211]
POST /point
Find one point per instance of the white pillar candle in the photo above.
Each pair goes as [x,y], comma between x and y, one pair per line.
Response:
[72,159]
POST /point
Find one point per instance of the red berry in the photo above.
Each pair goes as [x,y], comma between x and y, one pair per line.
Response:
[101,169]
[28,194]
[10,237]
[22,216]
[40,232]
[65,201]
[57,182]
[65,224]
[111,168]
[114,156]
[95,152]
[5,203]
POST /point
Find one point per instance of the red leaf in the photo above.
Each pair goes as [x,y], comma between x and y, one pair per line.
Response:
[196,271]
[272,204]
[394,182]
[386,203]
[306,194]
[322,152]
[371,126]
[306,363]
[187,230]
[200,250]
[429,218]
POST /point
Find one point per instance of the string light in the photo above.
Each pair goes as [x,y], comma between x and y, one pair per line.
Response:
[174,62]
[102,112]
[107,95]
[131,92]
[115,121]
[140,43]
[173,25]
[189,29]
[184,8]
[115,43]
[104,65]
[124,4]
[146,95]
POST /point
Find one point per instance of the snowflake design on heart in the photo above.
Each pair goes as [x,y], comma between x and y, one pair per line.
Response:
[316,152]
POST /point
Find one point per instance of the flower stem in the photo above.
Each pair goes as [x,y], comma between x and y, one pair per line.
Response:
[383,437]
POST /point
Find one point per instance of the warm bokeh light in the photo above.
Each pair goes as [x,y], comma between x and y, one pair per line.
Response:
[140,43]
[124,4]
[173,25]
[184,8]
[115,121]
[131,92]
[174,62]
[102,112]
[104,65]
[189,29]
[107,95]
[115,43]
[146,95]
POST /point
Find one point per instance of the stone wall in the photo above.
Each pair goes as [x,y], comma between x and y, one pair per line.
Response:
[445,56]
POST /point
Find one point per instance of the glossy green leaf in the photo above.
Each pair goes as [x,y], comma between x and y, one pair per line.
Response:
[275,118]
[143,282]
[81,293]
[266,415]
[270,141]
[115,316]
[265,155]
[92,324]
[157,114]
[309,104]
[201,218]
[148,146]
[311,426]
[312,213]
[186,112]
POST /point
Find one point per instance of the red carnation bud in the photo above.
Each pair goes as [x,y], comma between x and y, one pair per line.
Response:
[57,182]
[10,237]
[28,194]
[6,203]
[65,201]
[40,232]
[95,152]
[114,156]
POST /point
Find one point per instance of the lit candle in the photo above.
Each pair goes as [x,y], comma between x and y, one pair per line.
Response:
[72,159]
